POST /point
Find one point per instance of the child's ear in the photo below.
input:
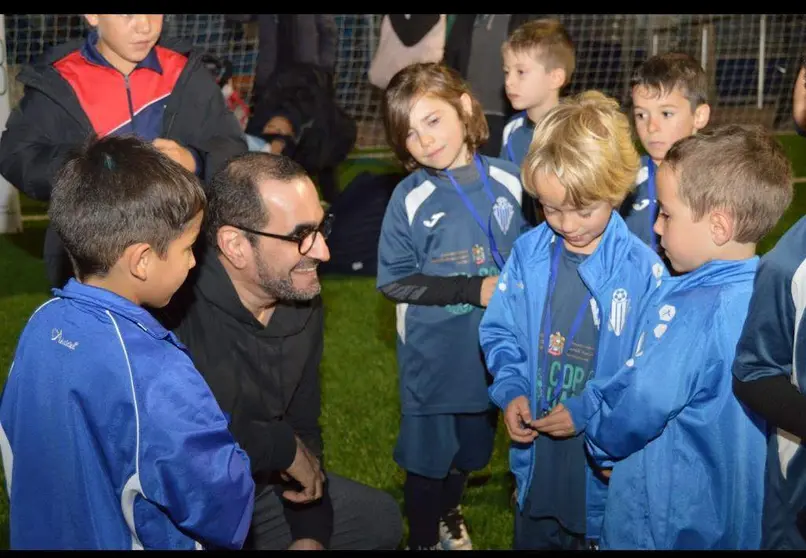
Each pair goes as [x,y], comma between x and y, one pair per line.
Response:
[721,225]
[701,116]
[467,104]
[136,258]
[557,78]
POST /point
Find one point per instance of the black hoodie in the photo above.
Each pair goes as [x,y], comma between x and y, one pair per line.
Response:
[266,379]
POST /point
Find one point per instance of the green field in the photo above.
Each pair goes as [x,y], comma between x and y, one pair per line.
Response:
[359,379]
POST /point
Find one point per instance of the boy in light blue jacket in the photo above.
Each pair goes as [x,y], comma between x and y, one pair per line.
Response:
[687,458]
[565,309]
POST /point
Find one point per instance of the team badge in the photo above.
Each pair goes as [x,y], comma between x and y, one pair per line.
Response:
[618,311]
[478,254]
[556,344]
[503,211]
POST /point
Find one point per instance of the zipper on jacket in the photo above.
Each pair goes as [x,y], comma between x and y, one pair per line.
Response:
[194,60]
[129,98]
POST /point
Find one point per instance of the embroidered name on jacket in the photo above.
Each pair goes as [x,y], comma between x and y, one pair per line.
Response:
[101,91]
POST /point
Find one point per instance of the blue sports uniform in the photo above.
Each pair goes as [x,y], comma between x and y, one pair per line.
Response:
[687,457]
[430,231]
[773,344]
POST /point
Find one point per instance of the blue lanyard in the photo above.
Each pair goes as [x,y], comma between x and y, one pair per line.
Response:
[547,403]
[653,242]
[488,229]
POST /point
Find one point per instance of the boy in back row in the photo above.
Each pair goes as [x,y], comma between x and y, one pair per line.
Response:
[669,101]
[538,62]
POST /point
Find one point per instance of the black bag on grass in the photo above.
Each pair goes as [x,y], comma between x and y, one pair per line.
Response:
[358,213]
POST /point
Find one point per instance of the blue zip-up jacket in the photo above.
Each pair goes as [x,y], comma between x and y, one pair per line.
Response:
[427,229]
[774,343]
[687,457]
[111,439]
[516,138]
[620,274]
[640,209]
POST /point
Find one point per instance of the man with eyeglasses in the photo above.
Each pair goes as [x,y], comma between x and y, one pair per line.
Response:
[252,320]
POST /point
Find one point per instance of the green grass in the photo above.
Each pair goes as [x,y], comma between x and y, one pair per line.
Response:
[360,410]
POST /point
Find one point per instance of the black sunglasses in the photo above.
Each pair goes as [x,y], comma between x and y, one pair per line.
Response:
[305,240]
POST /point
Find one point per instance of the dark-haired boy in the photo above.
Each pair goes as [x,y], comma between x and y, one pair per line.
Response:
[110,437]
[669,94]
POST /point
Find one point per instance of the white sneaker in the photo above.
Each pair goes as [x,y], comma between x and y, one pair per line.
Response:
[453,531]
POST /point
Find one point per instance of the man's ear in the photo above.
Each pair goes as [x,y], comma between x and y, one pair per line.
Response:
[722,227]
[92,19]
[136,259]
[701,116]
[234,246]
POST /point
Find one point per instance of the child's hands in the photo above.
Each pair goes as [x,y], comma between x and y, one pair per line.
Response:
[487,289]
[517,418]
[557,423]
[176,152]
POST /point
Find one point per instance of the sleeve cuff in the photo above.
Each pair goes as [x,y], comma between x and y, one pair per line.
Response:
[576,408]
[311,521]
[282,450]
[503,395]
[473,290]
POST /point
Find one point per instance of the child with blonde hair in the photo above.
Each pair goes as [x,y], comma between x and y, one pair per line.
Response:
[447,232]
[565,310]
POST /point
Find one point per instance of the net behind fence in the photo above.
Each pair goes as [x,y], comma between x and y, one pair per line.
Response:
[751,59]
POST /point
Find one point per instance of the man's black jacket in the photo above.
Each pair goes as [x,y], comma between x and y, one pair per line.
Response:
[266,379]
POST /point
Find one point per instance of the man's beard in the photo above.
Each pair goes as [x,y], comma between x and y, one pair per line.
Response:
[282,287]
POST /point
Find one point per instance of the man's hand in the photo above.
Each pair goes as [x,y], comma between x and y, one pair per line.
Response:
[176,153]
[307,471]
[306,544]
[517,417]
[557,423]
[487,289]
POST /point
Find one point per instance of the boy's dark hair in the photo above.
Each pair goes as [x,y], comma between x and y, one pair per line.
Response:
[663,72]
[428,78]
[118,191]
[233,197]
[742,170]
